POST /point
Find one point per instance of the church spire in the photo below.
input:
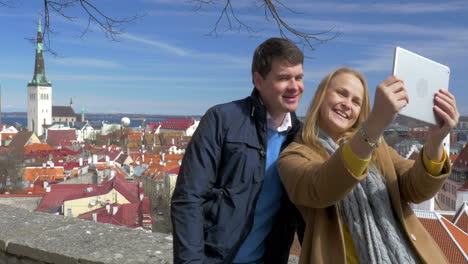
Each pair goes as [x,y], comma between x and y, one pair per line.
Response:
[39,67]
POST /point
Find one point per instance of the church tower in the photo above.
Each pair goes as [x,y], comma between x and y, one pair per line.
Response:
[39,92]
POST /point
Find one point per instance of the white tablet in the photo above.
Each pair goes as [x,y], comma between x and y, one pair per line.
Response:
[423,78]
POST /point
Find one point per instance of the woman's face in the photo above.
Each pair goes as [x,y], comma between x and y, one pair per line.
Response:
[341,105]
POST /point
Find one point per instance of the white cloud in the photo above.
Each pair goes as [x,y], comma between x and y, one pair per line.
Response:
[88,62]
[376,28]
[16,76]
[392,8]
[159,44]
[182,52]
[134,78]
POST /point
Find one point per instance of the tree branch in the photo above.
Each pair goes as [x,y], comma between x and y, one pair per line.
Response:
[110,26]
[270,13]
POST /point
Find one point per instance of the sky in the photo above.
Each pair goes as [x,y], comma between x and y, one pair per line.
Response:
[167,62]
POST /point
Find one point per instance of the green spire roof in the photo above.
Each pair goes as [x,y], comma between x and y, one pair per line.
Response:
[39,67]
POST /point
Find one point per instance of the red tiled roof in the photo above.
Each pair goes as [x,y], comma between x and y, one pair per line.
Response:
[63,111]
[461,218]
[43,174]
[21,139]
[462,160]
[179,121]
[66,192]
[129,215]
[458,234]
[57,138]
[126,189]
[64,152]
[172,124]
[414,155]
[174,171]
[53,200]
[437,227]
[156,170]
[453,157]
[113,154]
[7,136]
[37,147]
[125,215]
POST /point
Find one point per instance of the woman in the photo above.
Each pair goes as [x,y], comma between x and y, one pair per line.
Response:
[351,187]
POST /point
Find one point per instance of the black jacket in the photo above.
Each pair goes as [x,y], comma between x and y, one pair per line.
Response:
[217,188]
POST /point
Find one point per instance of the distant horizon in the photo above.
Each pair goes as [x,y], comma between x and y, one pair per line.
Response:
[114,114]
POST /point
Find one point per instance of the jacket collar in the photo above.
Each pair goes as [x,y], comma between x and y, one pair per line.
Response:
[259,111]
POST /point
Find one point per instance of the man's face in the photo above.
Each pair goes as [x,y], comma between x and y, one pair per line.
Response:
[282,88]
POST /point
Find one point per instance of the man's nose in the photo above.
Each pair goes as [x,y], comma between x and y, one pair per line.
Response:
[294,84]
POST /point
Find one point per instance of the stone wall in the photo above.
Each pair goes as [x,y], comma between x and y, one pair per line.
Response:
[34,237]
[38,238]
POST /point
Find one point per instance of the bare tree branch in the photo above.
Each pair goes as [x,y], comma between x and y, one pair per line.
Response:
[7,3]
[270,10]
[110,26]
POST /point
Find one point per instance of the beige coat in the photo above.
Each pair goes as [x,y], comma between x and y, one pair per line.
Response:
[316,185]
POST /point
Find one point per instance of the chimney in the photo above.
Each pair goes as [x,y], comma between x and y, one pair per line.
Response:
[141,196]
[108,208]
[80,162]
[46,184]
[48,189]
[173,141]
[162,156]
[95,160]
[107,158]
[115,209]
[180,162]
[94,217]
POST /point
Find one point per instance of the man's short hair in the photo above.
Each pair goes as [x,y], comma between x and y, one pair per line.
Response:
[282,49]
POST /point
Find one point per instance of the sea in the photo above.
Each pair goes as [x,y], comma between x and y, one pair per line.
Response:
[111,120]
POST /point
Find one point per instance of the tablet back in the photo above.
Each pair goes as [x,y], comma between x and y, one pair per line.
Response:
[423,78]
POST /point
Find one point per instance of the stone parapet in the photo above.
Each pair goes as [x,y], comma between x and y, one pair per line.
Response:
[34,237]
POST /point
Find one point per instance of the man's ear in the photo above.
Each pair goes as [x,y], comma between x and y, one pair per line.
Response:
[258,80]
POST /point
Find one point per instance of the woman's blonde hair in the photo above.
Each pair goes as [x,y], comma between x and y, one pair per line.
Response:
[311,127]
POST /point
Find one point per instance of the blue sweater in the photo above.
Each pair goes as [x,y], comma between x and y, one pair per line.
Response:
[268,203]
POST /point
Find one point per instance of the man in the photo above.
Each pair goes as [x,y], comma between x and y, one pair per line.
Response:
[229,205]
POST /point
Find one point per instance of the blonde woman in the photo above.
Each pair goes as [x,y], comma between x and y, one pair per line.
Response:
[352,189]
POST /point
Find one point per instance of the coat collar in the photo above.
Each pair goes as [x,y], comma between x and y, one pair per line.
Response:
[259,112]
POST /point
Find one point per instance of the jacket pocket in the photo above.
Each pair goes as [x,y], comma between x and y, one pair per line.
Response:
[211,208]
[241,161]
